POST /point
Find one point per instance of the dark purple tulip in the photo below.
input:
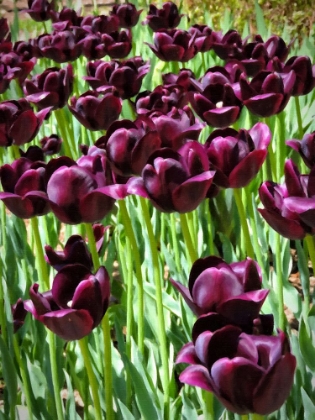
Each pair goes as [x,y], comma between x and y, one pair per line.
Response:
[76,190]
[19,124]
[60,46]
[51,145]
[205,37]
[174,45]
[6,75]
[276,47]
[51,88]
[247,373]
[237,156]
[185,78]
[26,50]
[128,146]
[24,188]
[290,207]
[76,303]
[105,24]
[94,112]
[66,18]
[18,315]
[161,99]
[233,291]
[127,14]
[166,18]
[175,181]
[74,252]
[18,65]
[4,30]
[93,48]
[267,93]
[126,76]
[118,44]
[176,127]
[305,147]
[40,10]
[304,74]
[229,45]
[216,102]
[33,153]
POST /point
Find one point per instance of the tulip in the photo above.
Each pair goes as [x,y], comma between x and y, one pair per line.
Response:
[118,44]
[19,124]
[24,189]
[66,18]
[237,156]
[205,37]
[20,67]
[96,113]
[74,252]
[76,303]
[51,145]
[267,93]
[166,18]
[185,79]
[93,48]
[175,181]
[229,45]
[304,74]
[174,45]
[6,75]
[125,76]
[290,207]
[51,88]
[40,10]
[18,315]
[127,14]
[233,291]
[161,99]
[4,30]
[105,24]
[305,147]
[247,373]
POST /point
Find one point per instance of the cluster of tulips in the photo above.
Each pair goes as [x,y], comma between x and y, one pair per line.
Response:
[157,156]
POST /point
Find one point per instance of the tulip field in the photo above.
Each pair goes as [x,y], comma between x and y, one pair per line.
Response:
[157,199]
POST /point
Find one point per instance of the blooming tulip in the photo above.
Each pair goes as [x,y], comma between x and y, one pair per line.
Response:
[305,147]
[247,373]
[40,10]
[75,304]
[127,14]
[166,18]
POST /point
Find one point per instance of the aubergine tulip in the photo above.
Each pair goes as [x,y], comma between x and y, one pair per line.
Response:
[60,46]
[24,188]
[185,79]
[74,252]
[6,75]
[174,45]
[40,10]
[18,315]
[51,88]
[51,144]
[76,303]
[175,181]
[290,207]
[19,66]
[231,290]
[167,17]
[237,156]
[96,113]
[304,74]
[247,373]
[127,14]
[19,124]
[77,191]
[267,93]
[118,44]
[4,30]
[305,147]
[205,37]
[125,76]
[162,98]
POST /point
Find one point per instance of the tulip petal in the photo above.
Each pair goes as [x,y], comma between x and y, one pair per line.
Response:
[187,354]
[196,375]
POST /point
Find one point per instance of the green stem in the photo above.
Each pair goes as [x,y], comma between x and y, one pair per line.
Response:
[136,256]
[92,245]
[159,303]
[110,415]
[299,116]
[209,223]
[191,250]
[242,214]
[83,343]
[279,274]
[244,417]
[175,242]
[41,263]
[311,252]
[257,417]
[61,125]
[280,145]
[54,374]
[208,411]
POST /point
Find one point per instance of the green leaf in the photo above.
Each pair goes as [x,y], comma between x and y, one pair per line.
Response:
[9,373]
[306,346]
[260,20]
[309,407]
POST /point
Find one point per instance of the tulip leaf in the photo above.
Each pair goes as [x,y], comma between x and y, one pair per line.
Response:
[125,413]
[306,346]
[168,301]
[71,413]
[9,373]
[309,407]
[260,20]
[189,411]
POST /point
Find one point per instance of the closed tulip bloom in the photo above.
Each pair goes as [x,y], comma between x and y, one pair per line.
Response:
[6,75]
[118,44]
[175,181]
[127,14]
[40,10]
[174,45]
[185,78]
[247,373]
[51,88]
[19,124]
[237,156]
[74,252]
[305,147]
[229,45]
[304,74]
[167,17]
[231,290]
[289,208]
[95,111]
[18,315]
[267,93]
[60,46]
[105,24]
[162,98]
[20,66]
[51,144]
[76,303]
[24,188]
[205,37]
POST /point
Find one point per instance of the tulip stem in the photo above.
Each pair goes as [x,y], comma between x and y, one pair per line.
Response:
[54,374]
[280,145]
[108,367]
[281,321]
[208,412]
[311,252]
[257,417]
[92,245]
[61,125]
[136,256]
[191,251]
[159,304]
[241,211]
[299,116]
[209,223]
[83,343]
[175,241]
[41,263]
